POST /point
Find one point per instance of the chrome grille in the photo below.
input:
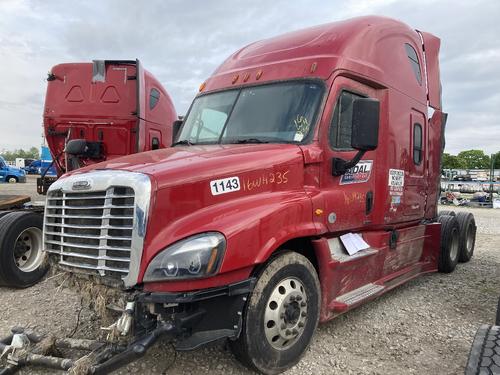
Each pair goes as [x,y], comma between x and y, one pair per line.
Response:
[93,230]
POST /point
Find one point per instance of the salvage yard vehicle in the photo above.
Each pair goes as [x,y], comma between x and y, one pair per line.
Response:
[93,112]
[302,183]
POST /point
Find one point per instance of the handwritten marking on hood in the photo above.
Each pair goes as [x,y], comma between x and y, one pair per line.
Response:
[276,178]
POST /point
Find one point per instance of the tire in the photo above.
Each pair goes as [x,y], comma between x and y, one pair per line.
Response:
[483,356]
[21,257]
[450,241]
[467,231]
[446,212]
[11,179]
[281,315]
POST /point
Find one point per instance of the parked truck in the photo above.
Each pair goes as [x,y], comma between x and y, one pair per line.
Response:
[93,112]
[302,183]
[10,173]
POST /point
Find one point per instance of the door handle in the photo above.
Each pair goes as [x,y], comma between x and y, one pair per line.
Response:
[369,202]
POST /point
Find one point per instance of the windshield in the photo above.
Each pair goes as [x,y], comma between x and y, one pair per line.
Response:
[282,113]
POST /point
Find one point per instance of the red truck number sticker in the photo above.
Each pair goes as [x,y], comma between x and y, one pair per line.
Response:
[225,185]
[359,173]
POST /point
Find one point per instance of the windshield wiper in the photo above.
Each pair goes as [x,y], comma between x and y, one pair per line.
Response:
[183,142]
[250,140]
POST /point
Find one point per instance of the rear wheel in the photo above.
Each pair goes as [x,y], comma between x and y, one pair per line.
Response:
[21,243]
[467,231]
[281,315]
[450,241]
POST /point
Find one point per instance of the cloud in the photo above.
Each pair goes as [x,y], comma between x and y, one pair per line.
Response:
[182,43]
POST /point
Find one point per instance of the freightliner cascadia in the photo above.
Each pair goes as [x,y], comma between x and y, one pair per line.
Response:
[302,182]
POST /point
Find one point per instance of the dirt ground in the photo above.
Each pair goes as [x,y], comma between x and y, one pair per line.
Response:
[423,327]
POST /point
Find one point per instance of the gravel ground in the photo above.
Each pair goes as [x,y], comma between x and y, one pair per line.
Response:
[423,327]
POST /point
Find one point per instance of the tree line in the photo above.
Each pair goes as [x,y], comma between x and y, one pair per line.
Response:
[470,159]
[32,153]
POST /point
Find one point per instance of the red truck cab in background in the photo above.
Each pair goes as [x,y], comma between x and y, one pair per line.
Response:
[115,107]
[93,112]
[235,231]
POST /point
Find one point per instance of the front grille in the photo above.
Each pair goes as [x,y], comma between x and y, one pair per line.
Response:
[91,231]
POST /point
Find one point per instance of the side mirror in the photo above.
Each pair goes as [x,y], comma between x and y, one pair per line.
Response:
[364,134]
[176,126]
[365,124]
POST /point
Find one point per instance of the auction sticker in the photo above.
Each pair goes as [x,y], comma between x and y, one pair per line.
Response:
[357,174]
[225,185]
[396,181]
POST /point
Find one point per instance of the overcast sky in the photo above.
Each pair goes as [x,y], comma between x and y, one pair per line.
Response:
[182,42]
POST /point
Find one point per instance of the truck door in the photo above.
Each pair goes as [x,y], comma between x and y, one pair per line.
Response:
[349,199]
[414,198]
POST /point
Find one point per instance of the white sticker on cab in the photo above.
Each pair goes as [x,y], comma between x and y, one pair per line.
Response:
[225,185]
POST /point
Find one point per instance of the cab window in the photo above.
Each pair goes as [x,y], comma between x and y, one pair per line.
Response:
[154,97]
[413,59]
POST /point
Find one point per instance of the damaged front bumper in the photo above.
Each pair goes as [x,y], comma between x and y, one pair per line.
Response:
[187,320]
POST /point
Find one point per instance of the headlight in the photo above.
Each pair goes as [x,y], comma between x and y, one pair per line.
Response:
[194,257]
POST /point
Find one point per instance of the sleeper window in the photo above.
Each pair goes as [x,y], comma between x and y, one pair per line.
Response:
[341,127]
[417,143]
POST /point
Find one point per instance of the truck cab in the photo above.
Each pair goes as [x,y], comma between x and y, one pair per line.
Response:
[302,182]
[103,110]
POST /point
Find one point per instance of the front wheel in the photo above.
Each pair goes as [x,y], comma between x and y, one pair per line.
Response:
[281,315]
[11,180]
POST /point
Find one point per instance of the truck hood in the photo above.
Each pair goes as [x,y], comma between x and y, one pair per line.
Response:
[187,164]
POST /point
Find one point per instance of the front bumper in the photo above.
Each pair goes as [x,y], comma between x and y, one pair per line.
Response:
[188,320]
[202,316]
[21,179]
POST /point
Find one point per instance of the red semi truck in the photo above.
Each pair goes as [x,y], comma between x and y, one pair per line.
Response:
[93,112]
[302,183]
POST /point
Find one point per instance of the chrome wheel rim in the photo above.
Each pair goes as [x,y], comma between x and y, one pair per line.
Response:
[12,180]
[28,249]
[285,316]
[454,245]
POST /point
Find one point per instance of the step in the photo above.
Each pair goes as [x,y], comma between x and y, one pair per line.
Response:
[342,258]
[358,295]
